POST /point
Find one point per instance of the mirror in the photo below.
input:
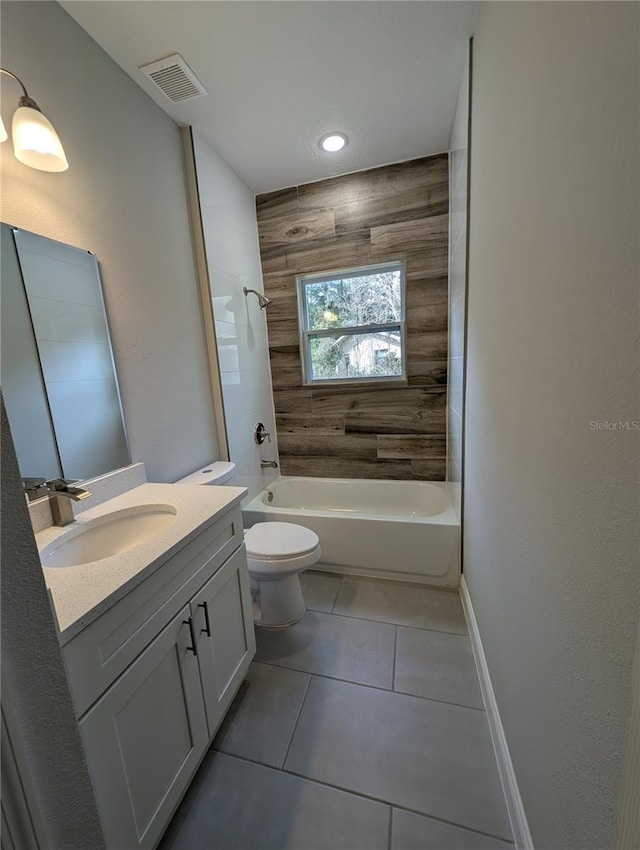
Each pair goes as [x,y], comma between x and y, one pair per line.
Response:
[57,370]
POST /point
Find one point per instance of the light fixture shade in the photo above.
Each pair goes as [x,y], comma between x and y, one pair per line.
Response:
[3,131]
[35,142]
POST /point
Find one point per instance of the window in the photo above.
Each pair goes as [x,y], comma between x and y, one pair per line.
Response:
[352,324]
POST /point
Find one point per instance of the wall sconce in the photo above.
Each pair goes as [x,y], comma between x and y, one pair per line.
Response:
[35,142]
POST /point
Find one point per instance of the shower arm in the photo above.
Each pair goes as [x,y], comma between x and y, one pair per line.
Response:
[262,300]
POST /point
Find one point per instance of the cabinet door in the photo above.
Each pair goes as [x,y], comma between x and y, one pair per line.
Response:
[226,640]
[145,737]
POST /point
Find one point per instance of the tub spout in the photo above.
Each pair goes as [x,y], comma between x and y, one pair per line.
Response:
[268,464]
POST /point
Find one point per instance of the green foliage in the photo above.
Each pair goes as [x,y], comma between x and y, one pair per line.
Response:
[354,301]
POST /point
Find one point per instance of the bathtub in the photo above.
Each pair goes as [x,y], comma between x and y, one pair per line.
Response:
[391,529]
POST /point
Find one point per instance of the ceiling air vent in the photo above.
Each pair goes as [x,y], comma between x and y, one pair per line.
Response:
[174,78]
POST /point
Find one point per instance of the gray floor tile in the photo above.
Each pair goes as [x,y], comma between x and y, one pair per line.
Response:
[342,647]
[431,757]
[236,805]
[401,603]
[415,832]
[437,665]
[262,718]
[319,590]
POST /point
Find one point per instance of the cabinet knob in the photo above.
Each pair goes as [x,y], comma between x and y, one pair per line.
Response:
[193,648]
[207,624]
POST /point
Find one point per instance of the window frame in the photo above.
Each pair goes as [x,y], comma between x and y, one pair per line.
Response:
[306,335]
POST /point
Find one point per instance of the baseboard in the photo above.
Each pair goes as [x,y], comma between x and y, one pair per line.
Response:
[515,808]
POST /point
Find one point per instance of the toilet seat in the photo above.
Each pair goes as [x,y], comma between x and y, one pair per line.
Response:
[277,540]
[279,549]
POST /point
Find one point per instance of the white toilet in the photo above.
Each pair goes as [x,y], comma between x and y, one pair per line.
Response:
[276,553]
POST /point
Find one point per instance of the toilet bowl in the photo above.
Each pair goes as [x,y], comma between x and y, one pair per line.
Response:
[277,552]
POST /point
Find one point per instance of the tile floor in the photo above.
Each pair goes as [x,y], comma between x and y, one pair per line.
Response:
[361,727]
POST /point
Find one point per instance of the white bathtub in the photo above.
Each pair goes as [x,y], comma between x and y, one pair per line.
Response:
[392,529]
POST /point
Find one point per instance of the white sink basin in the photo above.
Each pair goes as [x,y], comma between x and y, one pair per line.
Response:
[107,535]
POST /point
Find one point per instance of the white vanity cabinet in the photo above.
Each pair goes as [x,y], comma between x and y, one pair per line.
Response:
[175,650]
[220,613]
[144,739]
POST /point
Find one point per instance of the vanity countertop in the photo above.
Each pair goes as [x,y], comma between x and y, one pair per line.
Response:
[83,592]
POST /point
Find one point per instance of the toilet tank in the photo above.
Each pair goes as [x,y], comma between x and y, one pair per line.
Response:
[218,473]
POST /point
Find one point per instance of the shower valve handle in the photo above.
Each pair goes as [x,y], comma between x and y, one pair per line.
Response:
[261,434]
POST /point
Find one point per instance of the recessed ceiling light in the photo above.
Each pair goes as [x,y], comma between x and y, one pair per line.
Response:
[333,142]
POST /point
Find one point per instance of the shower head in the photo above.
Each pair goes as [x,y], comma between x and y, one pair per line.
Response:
[262,300]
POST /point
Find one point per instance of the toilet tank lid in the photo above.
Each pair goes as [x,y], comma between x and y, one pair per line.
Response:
[217,472]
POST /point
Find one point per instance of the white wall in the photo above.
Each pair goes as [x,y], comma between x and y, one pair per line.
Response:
[231,240]
[458,173]
[551,506]
[124,198]
[45,731]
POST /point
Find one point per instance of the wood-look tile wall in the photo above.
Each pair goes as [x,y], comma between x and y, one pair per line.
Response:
[368,430]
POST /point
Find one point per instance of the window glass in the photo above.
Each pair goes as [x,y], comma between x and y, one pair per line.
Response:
[352,324]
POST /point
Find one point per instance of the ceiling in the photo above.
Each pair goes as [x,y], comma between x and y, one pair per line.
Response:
[280,75]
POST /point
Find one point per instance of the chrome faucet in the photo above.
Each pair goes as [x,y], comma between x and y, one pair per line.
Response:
[35,488]
[61,494]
